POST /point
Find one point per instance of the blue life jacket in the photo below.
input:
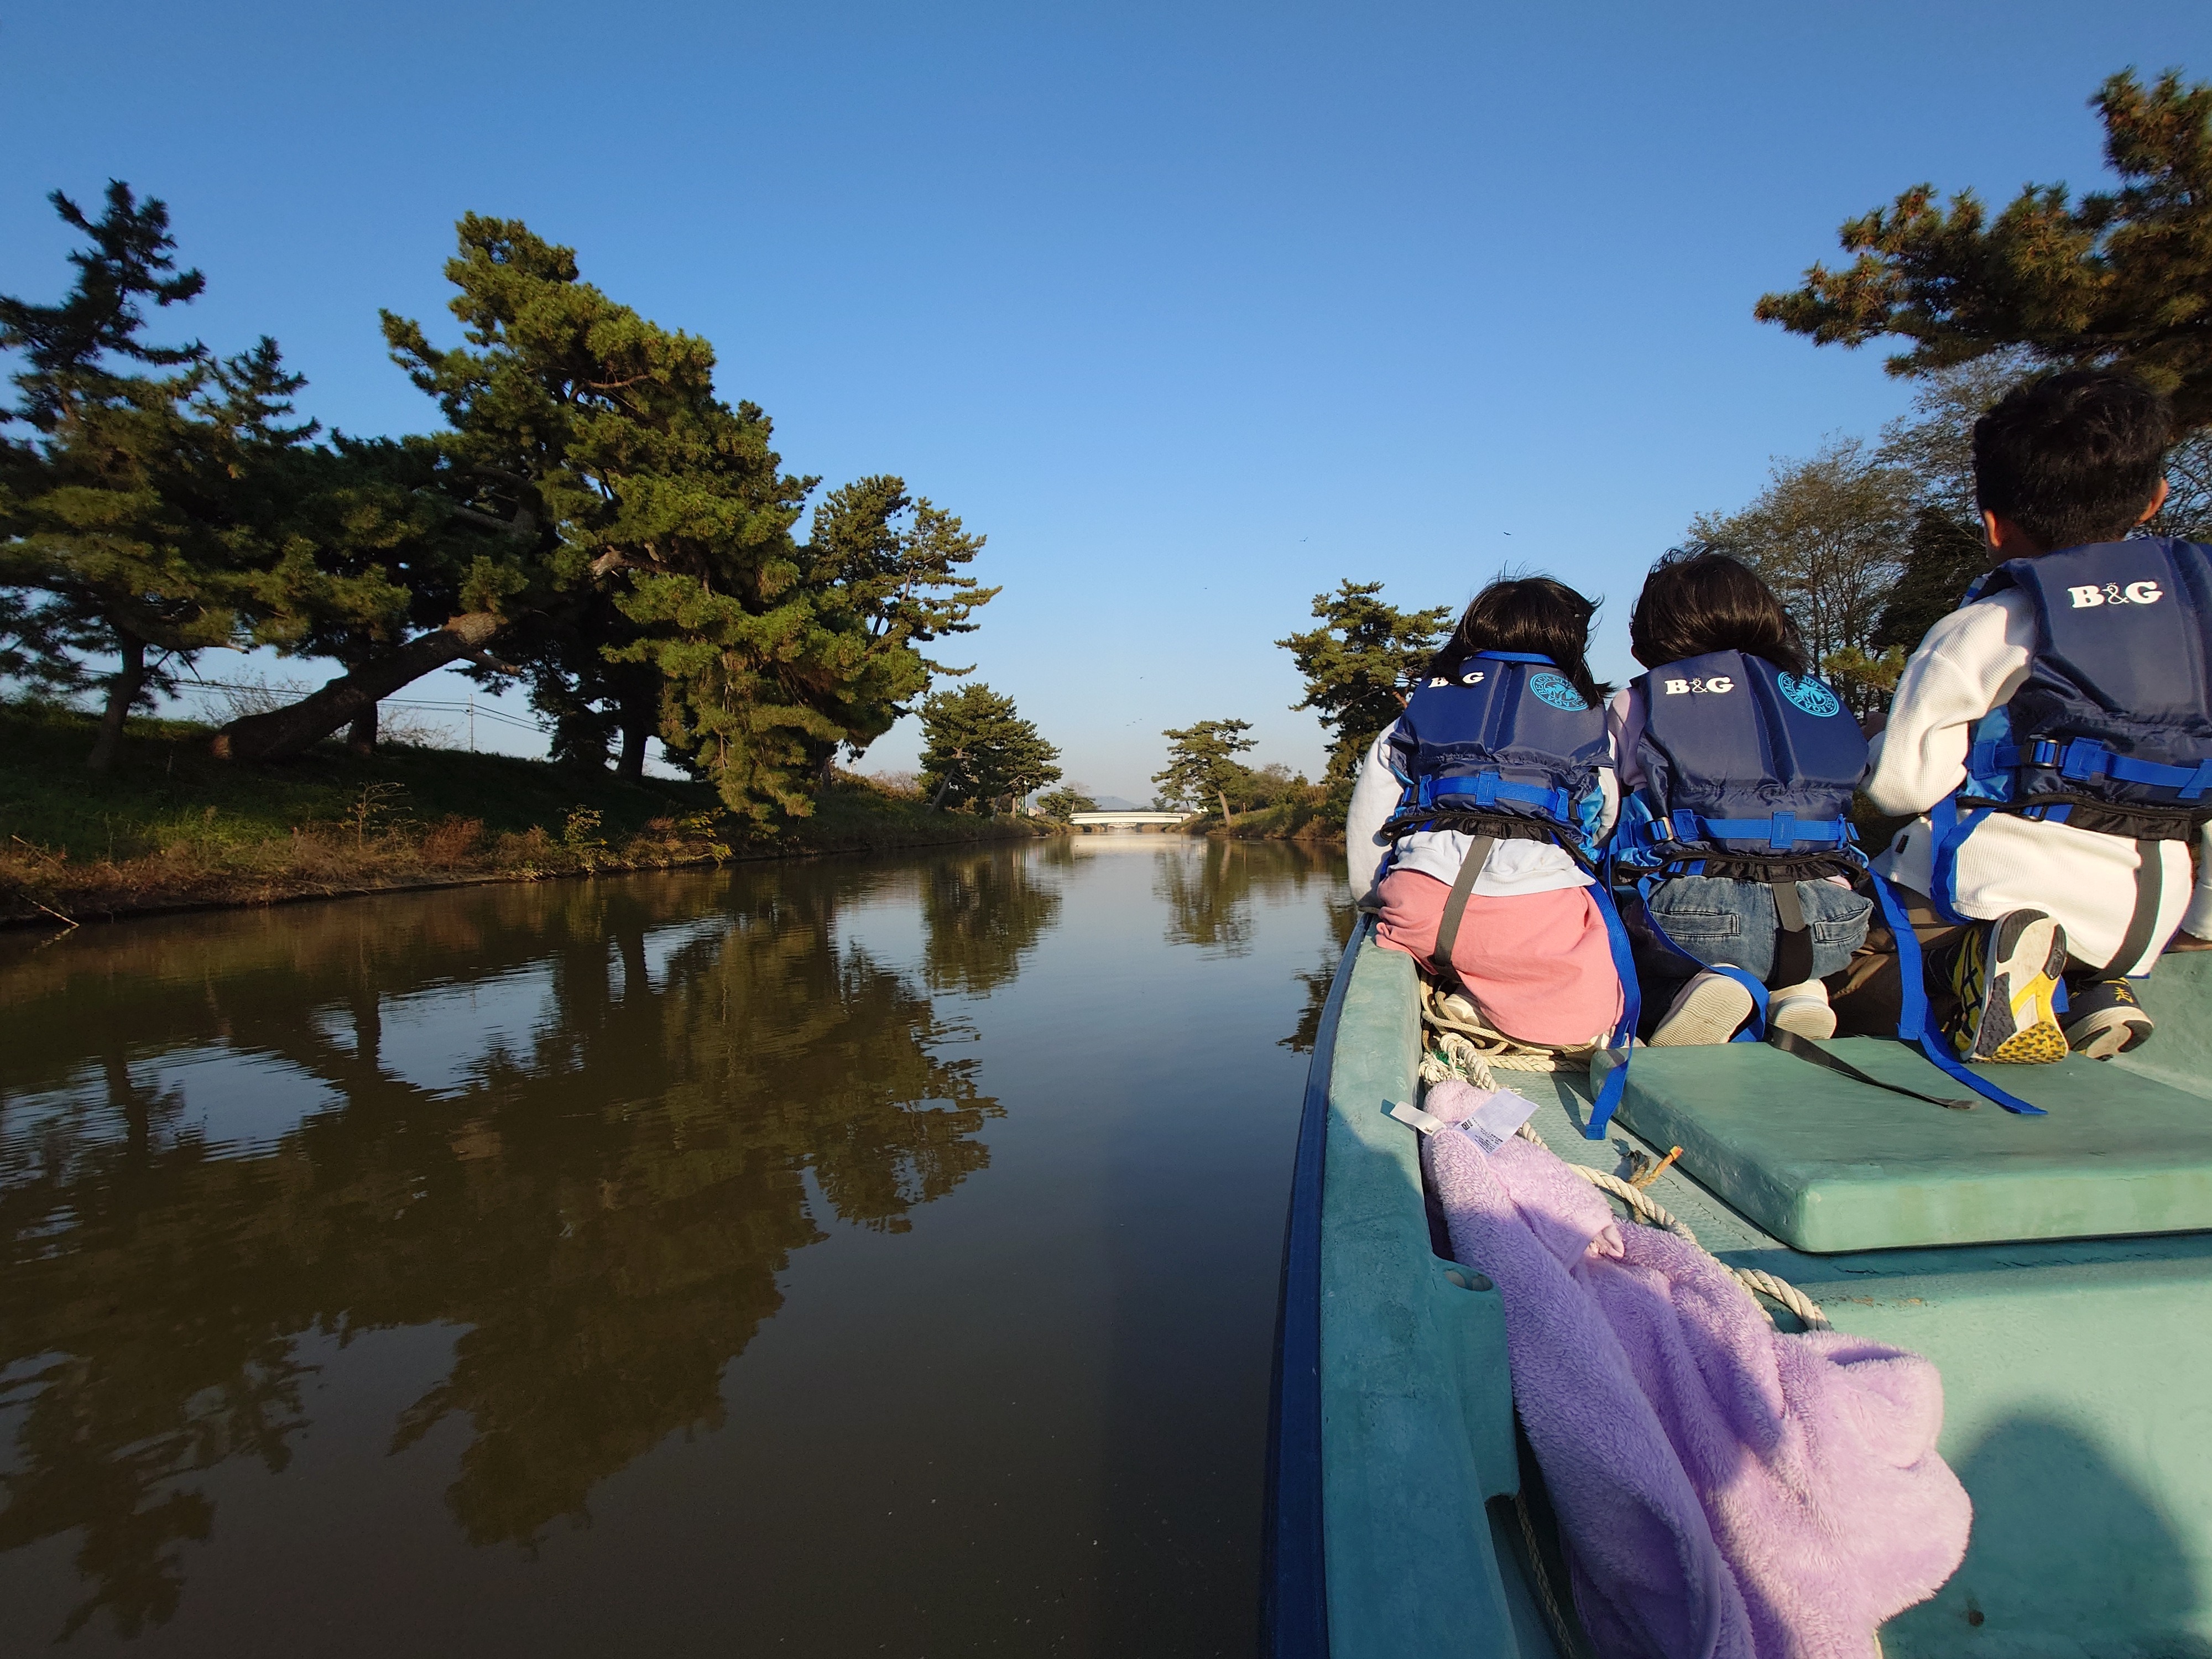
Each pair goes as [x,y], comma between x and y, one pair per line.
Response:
[1740,760]
[1506,742]
[2112,728]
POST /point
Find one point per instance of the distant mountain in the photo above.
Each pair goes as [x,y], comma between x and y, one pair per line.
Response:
[1115,804]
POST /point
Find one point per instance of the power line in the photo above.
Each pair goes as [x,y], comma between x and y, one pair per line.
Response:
[388,702]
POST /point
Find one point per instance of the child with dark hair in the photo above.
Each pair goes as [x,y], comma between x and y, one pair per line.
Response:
[1736,770]
[2054,736]
[1475,818]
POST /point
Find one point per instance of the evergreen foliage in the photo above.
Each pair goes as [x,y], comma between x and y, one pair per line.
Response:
[593,509]
[1359,665]
[121,504]
[1202,764]
[1064,803]
[978,751]
[2116,278]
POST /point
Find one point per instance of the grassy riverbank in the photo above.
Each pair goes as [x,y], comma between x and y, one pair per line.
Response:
[1300,820]
[171,826]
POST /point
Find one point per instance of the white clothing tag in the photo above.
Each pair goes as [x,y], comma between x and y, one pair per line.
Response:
[1492,1123]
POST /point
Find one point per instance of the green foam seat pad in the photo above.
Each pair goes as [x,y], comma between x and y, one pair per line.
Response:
[1830,1165]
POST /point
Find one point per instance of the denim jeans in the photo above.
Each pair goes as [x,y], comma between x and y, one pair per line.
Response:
[1717,920]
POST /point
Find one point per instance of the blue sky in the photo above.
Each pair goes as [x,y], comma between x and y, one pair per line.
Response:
[1193,309]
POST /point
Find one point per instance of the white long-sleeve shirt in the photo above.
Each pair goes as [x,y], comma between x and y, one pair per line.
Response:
[1971,662]
[1513,867]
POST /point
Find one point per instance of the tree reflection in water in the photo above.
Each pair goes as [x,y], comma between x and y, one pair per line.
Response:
[985,911]
[1319,978]
[603,1201]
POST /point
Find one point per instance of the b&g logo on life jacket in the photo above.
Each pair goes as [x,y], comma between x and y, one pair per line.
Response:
[1718,683]
[2113,594]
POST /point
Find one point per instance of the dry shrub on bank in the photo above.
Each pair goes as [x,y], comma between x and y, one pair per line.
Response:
[374,846]
[452,842]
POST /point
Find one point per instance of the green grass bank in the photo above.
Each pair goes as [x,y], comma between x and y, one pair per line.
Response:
[171,827]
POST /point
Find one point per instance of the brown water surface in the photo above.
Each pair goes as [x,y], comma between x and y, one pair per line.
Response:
[844,1257]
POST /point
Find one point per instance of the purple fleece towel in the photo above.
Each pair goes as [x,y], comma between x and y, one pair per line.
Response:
[1724,1489]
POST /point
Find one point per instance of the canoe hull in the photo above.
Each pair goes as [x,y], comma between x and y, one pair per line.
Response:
[2076,1413]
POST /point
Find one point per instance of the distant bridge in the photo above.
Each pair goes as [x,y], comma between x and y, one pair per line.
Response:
[1130,820]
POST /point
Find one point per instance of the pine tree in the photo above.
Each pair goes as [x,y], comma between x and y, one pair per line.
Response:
[1065,802]
[1202,761]
[2118,276]
[1359,666]
[978,751]
[115,504]
[886,564]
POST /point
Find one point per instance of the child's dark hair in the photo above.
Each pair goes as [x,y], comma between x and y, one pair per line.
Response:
[1533,614]
[2073,459]
[1694,602]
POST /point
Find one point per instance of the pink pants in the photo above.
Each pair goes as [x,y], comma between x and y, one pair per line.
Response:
[1537,964]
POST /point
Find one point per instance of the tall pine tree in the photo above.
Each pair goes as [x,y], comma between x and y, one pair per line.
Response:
[117,501]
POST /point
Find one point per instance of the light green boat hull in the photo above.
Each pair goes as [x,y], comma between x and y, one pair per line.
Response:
[2077,1376]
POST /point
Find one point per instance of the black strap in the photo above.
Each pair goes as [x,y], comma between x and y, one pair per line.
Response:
[1805,1049]
[1793,945]
[1478,854]
[2150,865]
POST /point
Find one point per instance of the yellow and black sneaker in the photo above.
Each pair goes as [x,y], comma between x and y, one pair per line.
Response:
[2104,1019]
[2005,975]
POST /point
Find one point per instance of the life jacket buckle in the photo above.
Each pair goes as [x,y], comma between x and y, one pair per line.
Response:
[2085,758]
[1781,832]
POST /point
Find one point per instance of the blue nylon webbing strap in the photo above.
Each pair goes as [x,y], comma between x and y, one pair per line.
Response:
[1610,1091]
[1912,1015]
[1948,830]
[1517,656]
[1755,1029]
[1783,832]
[2085,758]
[1489,788]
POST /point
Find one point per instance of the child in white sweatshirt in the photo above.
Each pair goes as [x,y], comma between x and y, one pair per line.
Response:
[2071,700]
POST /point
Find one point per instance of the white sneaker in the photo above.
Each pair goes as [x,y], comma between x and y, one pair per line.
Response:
[1802,1010]
[1711,1008]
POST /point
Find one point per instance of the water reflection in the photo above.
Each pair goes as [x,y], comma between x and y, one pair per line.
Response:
[1209,894]
[1337,907]
[985,911]
[584,1125]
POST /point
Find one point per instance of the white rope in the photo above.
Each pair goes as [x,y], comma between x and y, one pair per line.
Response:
[1650,1211]
[1455,1055]
[1441,1012]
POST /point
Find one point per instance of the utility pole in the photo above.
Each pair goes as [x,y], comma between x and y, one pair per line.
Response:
[472,722]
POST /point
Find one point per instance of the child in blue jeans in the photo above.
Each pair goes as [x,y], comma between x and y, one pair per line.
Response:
[1736,770]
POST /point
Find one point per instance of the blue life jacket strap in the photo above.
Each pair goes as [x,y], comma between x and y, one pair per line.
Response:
[1610,1091]
[2085,758]
[1783,832]
[1754,1028]
[1487,789]
[1517,656]
[1912,1015]
[1949,829]
[1789,1042]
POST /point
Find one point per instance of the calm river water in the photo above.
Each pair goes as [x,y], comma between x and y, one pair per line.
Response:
[843,1257]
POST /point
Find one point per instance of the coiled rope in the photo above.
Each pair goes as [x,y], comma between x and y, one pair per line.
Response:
[1455,1056]
[1453,1015]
